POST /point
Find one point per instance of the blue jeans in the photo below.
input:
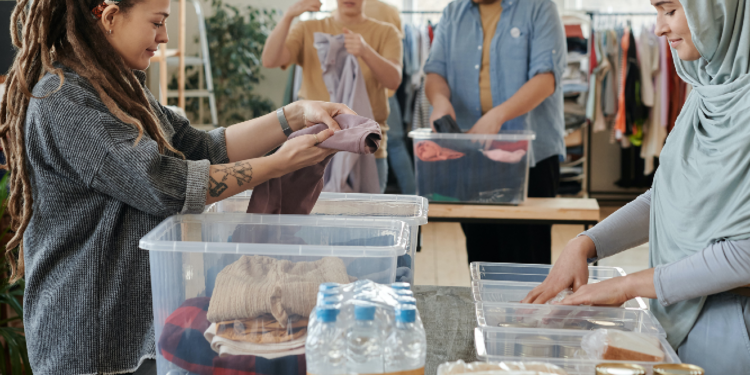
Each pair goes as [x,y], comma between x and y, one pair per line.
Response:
[719,341]
[382,173]
[398,155]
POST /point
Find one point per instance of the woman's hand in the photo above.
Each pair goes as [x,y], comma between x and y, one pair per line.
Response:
[570,271]
[615,291]
[303,6]
[302,152]
[307,113]
[439,110]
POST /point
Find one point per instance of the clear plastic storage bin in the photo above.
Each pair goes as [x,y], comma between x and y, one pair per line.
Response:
[234,291]
[408,208]
[582,318]
[515,292]
[472,168]
[535,273]
[557,347]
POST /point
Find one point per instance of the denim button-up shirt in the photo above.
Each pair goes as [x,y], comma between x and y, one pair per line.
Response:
[529,40]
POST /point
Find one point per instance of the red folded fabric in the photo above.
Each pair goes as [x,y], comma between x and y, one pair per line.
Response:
[431,151]
[297,192]
[503,156]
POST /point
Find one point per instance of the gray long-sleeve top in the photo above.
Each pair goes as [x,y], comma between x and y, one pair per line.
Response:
[87,306]
[722,266]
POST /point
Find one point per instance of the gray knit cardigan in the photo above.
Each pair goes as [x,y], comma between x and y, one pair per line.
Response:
[88,307]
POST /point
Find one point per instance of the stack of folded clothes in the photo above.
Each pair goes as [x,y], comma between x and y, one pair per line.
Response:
[260,304]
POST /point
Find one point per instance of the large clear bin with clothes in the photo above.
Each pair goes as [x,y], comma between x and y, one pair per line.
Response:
[408,208]
[582,318]
[487,271]
[472,168]
[232,293]
[515,292]
[561,348]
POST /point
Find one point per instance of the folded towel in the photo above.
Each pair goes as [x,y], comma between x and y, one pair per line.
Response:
[226,347]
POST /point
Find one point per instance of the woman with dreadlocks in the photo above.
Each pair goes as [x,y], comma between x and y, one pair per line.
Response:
[96,163]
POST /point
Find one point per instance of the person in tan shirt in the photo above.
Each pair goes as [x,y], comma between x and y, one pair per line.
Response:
[376,44]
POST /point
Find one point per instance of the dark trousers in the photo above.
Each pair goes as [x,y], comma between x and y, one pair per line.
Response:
[517,243]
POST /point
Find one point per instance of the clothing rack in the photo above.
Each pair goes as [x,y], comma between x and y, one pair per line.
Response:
[608,195]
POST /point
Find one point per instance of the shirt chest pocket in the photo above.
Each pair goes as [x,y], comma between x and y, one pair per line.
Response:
[515,44]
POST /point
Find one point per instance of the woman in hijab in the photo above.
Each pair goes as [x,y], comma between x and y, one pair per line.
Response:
[696,217]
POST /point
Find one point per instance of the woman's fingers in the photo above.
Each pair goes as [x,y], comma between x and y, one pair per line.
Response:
[533,294]
[330,122]
[546,296]
[322,136]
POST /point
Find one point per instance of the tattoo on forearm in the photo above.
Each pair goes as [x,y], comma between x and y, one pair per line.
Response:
[241,171]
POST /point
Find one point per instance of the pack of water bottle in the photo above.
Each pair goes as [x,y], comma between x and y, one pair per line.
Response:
[365,328]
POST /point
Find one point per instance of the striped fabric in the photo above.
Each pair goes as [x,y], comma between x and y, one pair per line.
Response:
[183,344]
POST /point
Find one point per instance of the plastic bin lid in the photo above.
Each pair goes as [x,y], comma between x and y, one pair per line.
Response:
[555,315]
[410,208]
[505,136]
[488,271]
[290,235]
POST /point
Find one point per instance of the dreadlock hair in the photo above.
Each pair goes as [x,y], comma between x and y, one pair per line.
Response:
[62,31]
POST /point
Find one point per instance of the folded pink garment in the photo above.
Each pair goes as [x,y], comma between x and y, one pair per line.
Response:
[431,151]
[505,156]
[297,192]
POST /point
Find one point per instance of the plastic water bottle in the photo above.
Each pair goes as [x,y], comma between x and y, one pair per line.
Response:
[333,287]
[329,294]
[406,347]
[325,347]
[364,345]
[401,286]
[404,300]
[404,293]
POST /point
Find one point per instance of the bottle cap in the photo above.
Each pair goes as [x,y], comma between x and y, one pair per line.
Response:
[364,312]
[404,293]
[328,301]
[401,286]
[327,314]
[329,287]
[406,313]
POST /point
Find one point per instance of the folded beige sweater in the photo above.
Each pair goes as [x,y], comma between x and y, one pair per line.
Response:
[258,285]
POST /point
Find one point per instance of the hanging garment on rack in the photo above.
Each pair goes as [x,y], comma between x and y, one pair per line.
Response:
[635,112]
[649,62]
[610,85]
[601,73]
[654,133]
[620,120]
[592,94]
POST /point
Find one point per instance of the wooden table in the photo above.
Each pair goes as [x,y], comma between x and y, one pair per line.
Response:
[533,211]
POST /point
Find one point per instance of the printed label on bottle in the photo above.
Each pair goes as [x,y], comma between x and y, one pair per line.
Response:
[419,371]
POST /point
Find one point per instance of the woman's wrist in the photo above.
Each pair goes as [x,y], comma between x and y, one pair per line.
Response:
[584,246]
[295,116]
[641,284]
[277,165]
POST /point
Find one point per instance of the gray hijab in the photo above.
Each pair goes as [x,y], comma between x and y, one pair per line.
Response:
[701,192]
